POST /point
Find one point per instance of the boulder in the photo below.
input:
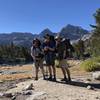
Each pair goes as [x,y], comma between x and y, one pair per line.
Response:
[96,75]
[97,98]
[88,79]
[38,96]
[1,94]
[89,87]
[13,98]
[28,87]
[28,92]
[1,81]
[8,95]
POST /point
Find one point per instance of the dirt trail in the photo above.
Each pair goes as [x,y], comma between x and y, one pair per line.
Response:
[59,91]
[76,90]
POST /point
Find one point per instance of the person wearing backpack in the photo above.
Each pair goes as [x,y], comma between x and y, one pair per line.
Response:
[61,57]
[49,52]
[37,55]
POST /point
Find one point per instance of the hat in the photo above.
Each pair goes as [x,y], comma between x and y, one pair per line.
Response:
[35,40]
[63,39]
[58,37]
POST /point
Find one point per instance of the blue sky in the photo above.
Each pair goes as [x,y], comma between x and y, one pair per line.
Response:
[36,15]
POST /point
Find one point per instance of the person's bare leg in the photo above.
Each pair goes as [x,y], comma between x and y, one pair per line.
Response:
[54,71]
[42,70]
[36,73]
[46,71]
[50,72]
[64,72]
[68,73]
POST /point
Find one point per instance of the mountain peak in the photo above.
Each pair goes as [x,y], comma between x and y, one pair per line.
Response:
[46,31]
[24,38]
[73,32]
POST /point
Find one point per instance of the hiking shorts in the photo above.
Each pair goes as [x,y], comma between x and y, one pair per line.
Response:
[38,63]
[50,60]
[63,63]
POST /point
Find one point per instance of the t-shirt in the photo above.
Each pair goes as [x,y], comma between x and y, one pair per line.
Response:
[51,45]
[49,54]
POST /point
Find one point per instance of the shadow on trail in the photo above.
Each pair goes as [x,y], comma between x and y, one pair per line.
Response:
[80,84]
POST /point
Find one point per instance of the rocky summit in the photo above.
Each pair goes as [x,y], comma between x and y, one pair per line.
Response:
[25,39]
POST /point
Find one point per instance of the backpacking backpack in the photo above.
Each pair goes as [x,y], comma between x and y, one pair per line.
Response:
[39,53]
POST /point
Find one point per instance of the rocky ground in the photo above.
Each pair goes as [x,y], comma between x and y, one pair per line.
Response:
[17,83]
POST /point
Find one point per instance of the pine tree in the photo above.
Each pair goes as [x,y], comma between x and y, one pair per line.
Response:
[95,39]
[79,49]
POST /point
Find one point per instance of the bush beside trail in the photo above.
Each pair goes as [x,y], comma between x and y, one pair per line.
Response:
[92,64]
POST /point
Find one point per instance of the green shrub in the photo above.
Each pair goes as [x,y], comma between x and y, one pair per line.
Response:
[97,59]
[90,65]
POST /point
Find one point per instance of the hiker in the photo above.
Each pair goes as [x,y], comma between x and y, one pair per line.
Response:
[49,52]
[61,57]
[37,55]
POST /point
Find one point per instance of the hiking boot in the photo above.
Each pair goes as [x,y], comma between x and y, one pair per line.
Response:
[64,79]
[50,78]
[54,79]
[69,79]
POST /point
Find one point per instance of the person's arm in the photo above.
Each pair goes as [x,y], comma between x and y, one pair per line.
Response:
[32,53]
[43,47]
[64,54]
[52,48]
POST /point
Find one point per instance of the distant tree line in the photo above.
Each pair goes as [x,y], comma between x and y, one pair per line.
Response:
[79,49]
[11,53]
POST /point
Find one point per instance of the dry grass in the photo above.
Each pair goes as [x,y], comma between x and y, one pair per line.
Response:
[15,76]
[19,75]
[75,71]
